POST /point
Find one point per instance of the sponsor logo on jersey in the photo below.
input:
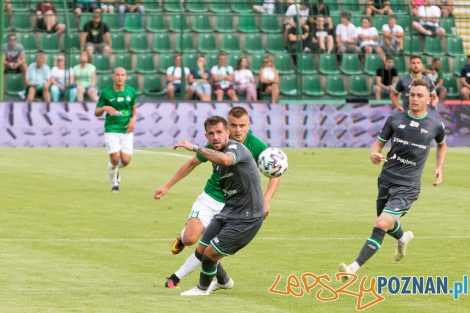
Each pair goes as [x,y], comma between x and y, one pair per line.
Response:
[401,126]
[424,131]
[120,99]
[226,175]
[128,98]
[232,147]
[414,124]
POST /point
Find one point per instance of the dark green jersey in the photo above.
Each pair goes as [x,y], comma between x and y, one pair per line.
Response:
[122,101]
[410,139]
[212,188]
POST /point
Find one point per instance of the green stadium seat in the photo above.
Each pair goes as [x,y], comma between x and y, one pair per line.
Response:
[305,64]
[352,6]
[112,20]
[153,86]
[156,23]
[328,64]
[356,19]
[118,43]
[23,6]
[178,24]
[224,24]
[49,43]
[28,41]
[247,23]
[459,63]
[405,21]
[411,45]
[283,63]
[241,6]
[333,6]
[201,24]
[400,64]
[73,58]
[233,58]
[184,42]
[6,26]
[398,7]
[189,60]
[125,61]
[145,64]
[103,82]
[256,62]
[133,81]
[13,84]
[455,46]
[207,43]
[172,5]
[311,86]
[350,64]
[50,59]
[372,63]
[217,6]
[336,18]
[152,7]
[133,23]
[450,82]
[161,43]
[379,21]
[166,60]
[72,41]
[335,86]
[358,86]
[85,17]
[275,43]
[289,85]
[253,43]
[432,46]
[447,23]
[230,43]
[269,23]
[445,68]
[212,59]
[139,43]
[102,64]
[21,22]
[30,58]
[196,6]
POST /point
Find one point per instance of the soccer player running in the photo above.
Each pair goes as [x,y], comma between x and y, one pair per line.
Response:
[403,85]
[242,215]
[399,183]
[118,102]
[211,200]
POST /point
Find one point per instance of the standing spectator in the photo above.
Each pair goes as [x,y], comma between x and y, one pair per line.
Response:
[131,6]
[346,35]
[385,79]
[46,19]
[299,10]
[465,81]
[447,7]
[95,36]
[222,76]
[269,79]
[107,6]
[322,38]
[38,79]
[415,5]
[392,36]
[83,6]
[267,7]
[244,80]
[85,77]
[14,56]
[434,72]
[381,7]
[62,81]
[301,39]
[369,38]
[200,79]
[173,77]
[8,10]
[429,23]
[321,9]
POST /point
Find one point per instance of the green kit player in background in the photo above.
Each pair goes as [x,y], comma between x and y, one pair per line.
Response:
[211,200]
[411,134]
[118,102]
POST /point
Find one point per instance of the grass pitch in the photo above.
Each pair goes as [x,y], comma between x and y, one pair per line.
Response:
[67,244]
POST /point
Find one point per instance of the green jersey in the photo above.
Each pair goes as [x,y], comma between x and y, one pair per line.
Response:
[212,188]
[122,101]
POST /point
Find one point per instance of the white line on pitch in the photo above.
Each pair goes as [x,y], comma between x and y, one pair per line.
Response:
[178,155]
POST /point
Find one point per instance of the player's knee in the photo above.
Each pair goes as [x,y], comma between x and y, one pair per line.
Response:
[384,224]
[189,239]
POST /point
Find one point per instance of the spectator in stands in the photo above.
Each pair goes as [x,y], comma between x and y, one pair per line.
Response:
[381,7]
[434,72]
[199,77]
[322,37]
[244,80]
[95,36]
[85,78]
[392,36]
[300,41]
[385,79]
[320,9]
[267,7]
[173,78]
[38,79]
[8,10]
[369,38]
[46,19]
[429,23]
[415,5]
[282,5]
[131,6]
[269,79]
[62,81]
[222,76]
[14,59]
[83,6]
[299,10]
[346,35]
[447,7]
[465,81]
[107,6]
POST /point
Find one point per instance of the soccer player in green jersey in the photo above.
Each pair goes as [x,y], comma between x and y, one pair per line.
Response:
[118,102]
[211,200]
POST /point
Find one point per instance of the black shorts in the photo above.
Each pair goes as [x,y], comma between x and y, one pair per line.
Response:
[395,199]
[433,29]
[228,235]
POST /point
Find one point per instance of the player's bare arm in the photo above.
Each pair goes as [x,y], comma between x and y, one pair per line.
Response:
[131,125]
[268,195]
[214,156]
[108,109]
[394,98]
[441,153]
[376,155]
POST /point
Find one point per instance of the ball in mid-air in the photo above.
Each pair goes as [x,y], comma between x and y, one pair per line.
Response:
[272,162]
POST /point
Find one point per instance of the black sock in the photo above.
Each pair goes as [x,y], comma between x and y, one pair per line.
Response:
[397,231]
[174,278]
[371,246]
[208,271]
[198,255]
[222,277]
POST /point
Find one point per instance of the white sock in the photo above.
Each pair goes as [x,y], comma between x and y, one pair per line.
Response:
[190,265]
[182,235]
[402,239]
[354,267]
[120,164]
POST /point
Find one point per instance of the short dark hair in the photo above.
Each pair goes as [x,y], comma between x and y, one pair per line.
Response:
[390,57]
[366,18]
[214,120]
[237,112]
[346,15]
[12,35]
[415,56]
[421,82]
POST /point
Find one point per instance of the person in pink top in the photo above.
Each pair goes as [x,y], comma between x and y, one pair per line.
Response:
[244,80]
[415,4]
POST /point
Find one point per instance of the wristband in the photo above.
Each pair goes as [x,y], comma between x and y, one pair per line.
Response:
[195,148]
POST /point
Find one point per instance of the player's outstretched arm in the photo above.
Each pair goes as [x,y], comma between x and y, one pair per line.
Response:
[186,168]
[376,155]
[441,153]
[108,109]
[212,155]
[396,104]
[268,195]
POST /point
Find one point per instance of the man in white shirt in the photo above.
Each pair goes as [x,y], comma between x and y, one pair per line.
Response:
[295,12]
[222,76]
[346,35]
[369,38]
[392,36]
[173,77]
[429,23]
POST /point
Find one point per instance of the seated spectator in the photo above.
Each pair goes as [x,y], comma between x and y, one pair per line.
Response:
[200,79]
[305,43]
[80,6]
[269,79]
[95,36]
[322,37]
[46,19]
[415,4]
[14,56]
[381,7]
[282,5]
[267,7]
[173,78]
[299,10]
[385,79]
[62,81]
[434,72]
[392,36]
[107,6]
[465,81]
[447,7]
[222,76]
[244,80]
[38,79]
[369,38]
[429,23]
[346,35]
[320,9]
[8,10]
[131,6]
[85,78]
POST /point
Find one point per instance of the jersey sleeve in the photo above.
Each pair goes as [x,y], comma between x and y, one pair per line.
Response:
[101,100]
[258,147]
[432,86]
[441,135]
[239,152]
[399,88]
[386,131]
[202,158]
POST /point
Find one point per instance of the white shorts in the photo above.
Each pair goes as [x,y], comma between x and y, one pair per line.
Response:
[116,142]
[204,208]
